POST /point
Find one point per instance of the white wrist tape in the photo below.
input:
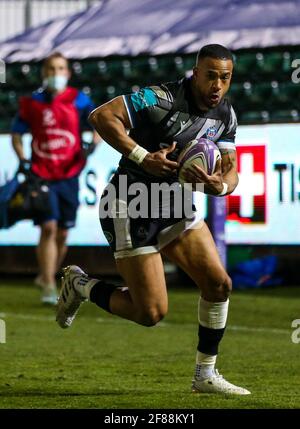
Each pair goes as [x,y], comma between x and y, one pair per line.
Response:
[224,191]
[138,154]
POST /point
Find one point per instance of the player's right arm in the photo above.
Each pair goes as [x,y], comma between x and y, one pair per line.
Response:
[111,121]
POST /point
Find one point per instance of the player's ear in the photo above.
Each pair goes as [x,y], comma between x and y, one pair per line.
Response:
[195,71]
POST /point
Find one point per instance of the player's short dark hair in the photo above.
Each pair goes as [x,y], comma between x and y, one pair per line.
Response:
[52,56]
[214,51]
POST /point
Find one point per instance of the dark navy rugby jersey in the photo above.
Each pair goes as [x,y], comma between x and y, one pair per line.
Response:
[162,114]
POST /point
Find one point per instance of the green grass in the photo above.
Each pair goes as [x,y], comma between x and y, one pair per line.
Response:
[105,362]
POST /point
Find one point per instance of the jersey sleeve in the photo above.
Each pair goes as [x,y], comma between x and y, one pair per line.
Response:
[227,139]
[18,125]
[20,122]
[147,106]
[84,105]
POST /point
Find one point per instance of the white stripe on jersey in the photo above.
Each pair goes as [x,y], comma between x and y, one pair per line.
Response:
[128,111]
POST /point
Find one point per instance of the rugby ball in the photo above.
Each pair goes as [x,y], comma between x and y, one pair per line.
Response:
[202,152]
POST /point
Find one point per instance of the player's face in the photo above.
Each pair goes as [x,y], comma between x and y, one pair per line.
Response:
[211,80]
[56,67]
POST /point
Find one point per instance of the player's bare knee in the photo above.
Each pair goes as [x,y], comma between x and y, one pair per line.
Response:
[220,287]
[151,316]
[227,286]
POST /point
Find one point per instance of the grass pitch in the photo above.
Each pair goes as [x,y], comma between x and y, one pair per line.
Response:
[105,362]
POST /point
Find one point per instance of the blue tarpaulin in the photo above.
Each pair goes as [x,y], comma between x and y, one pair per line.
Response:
[132,27]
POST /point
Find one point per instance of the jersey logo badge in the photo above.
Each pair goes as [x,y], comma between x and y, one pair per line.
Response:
[211,132]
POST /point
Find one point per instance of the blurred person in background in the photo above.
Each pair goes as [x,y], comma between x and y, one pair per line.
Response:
[54,115]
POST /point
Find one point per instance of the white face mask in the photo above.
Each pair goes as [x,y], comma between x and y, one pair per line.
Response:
[57,82]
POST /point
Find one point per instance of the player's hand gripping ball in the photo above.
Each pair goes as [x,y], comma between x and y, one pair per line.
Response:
[201,152]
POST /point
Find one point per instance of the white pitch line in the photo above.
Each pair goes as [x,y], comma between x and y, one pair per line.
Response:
[27,317]
[42,318]
[249,329]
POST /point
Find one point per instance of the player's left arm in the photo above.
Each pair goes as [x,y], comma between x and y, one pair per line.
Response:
[227,149]
[226,144]
[229,169]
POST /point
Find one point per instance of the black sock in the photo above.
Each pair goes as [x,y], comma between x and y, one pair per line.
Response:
[100,294]
[209,340]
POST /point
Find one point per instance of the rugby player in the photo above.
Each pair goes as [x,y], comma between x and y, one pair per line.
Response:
[157,117]
[54,115]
